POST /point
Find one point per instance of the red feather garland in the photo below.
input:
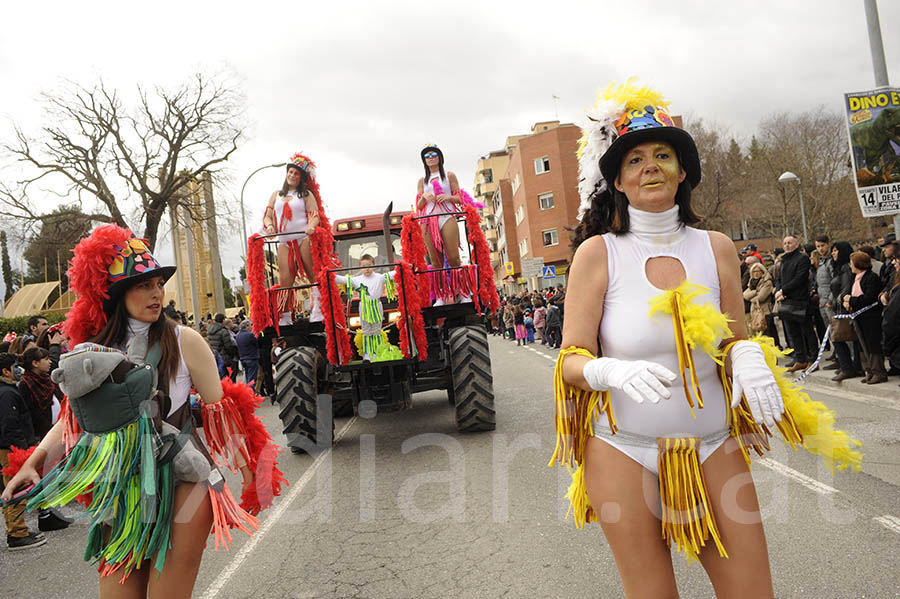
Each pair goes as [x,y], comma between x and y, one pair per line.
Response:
[260,311]
[412,245]
[487,287]
[322,241]
[232,428]
[410,311]
[16,459]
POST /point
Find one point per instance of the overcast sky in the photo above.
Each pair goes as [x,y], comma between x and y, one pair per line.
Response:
[362,86]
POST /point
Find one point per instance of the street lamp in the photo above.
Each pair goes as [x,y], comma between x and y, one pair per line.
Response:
[789,177]
[243,215]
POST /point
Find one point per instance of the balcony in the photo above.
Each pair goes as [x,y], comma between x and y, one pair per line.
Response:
[495,258]
[490,234]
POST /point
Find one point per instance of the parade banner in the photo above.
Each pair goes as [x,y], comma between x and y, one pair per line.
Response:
[873,125]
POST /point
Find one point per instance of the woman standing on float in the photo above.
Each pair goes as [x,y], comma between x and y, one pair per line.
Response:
[293,213]
[441,233]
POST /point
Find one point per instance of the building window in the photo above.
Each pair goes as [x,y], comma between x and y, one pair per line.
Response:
[542,165]
[546,200]
[523,247]
[489,176]
[520,215]
[551,237]
[515,184]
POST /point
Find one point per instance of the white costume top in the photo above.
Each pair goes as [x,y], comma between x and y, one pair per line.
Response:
[374,282]
[627,332]
[180,384]
[296,225]
[438,207]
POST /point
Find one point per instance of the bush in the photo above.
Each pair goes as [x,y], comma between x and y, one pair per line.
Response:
[19,324]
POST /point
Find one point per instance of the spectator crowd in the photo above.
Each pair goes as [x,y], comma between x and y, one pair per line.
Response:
[828,287]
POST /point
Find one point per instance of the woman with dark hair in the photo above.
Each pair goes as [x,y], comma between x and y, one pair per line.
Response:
[293,213]
[864,292]
[635,246]
[39,392]
[120,288]
[42,397]
[850,363]
[441,233]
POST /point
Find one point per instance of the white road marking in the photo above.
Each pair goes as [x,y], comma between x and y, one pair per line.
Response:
[229,570]
[889,522]
[810,483]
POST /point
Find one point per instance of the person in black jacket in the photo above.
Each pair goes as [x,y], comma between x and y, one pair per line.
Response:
[864,292]
[220,340]
[890,319]
[16,430]
[248,351]
[792,289]
[849,353]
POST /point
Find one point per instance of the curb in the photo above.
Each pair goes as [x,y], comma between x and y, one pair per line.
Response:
[888,390]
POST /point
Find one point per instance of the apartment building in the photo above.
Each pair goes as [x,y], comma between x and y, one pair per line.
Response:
[543,183]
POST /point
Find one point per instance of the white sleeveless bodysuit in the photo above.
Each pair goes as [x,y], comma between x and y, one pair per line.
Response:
[296,226]
[438,207]
[627,332]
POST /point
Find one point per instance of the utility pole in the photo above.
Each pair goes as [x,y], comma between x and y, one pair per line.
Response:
[879,65]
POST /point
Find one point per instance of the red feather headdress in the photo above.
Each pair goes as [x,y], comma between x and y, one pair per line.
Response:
[89,279]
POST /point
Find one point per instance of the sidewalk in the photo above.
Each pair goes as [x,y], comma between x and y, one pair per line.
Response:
[888,390]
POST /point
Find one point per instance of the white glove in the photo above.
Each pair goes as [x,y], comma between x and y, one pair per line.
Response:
[752,377]
[638,378]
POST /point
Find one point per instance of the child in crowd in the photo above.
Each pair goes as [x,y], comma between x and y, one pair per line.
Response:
[529,327]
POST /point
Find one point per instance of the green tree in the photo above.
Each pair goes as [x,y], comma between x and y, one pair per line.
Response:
[9,277]
[52,244]
[227,292]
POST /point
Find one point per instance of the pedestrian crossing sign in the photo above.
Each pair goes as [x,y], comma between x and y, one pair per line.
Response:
[549,272]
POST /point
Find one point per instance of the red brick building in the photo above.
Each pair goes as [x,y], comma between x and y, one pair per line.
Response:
[543,182]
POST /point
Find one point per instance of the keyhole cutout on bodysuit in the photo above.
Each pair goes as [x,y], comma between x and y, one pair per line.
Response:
[665,272]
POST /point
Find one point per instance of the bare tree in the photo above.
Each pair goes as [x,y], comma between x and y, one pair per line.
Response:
[94,147]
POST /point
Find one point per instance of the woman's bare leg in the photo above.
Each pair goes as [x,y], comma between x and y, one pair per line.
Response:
[433,255]
[307,260]
[450,236]
[746,572]
[625,497]
[134,587]
[190,530]
[285,276]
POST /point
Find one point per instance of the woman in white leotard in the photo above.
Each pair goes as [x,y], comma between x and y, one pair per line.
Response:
[635,242]
[446,231]
[293,214]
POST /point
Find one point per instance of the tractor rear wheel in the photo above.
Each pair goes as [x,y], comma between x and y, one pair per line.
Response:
[471,378]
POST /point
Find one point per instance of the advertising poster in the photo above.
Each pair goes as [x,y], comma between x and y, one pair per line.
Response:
[873,122]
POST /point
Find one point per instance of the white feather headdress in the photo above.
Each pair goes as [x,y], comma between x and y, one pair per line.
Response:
[599,131]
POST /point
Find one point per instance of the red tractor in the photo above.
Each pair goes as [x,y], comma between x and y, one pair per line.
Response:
[319,374]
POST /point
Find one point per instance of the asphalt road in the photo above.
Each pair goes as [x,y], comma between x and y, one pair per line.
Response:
[403,506]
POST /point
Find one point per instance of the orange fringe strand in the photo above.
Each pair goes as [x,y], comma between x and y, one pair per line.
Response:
[260,310]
